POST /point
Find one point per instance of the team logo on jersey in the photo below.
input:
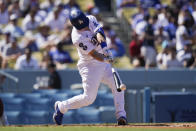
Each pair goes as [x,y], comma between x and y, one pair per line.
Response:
[84,47]
[80,22]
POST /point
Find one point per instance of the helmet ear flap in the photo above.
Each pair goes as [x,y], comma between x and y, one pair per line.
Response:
[78,19]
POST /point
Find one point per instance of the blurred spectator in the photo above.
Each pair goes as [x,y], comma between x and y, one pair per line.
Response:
[134,50]
[60,57]
[5,41]
[171,27]
[93,10]
[11,53]
[116,46]
[194,12]
[182,37]
[46,59]
[65,35]
[7,3]
[13,27]
[4,15]
[187,57]
[29,41]
[141,25]
[149,3]
[14,8]
[160,36]
[148,50]
[55,21]
[172,62]
[47,5]
[124,4]
[43,37]
[25,5]
[162,56]
[138,17]
[54,81]
[71,4]
[26,61]
[163,17]
[31,21]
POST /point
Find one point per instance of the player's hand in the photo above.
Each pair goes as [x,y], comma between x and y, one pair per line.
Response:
[108,57]
[108,60]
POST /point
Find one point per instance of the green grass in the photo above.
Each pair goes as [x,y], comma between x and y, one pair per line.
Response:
[90,128]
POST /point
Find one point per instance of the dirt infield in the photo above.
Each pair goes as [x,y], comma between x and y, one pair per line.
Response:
[137,125]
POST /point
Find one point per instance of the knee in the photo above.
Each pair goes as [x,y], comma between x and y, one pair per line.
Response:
[89,99]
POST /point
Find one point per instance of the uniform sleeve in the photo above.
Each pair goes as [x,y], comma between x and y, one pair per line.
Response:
[85,46]
[93,24]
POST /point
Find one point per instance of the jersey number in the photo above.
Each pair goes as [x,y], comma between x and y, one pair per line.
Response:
[84,47]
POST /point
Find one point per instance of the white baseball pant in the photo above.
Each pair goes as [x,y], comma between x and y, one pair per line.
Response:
[92,75]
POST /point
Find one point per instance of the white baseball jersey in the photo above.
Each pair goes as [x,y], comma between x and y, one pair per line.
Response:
[82,40]
[92,72]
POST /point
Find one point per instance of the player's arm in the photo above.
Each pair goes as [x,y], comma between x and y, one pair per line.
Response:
[100,35]
[100,57]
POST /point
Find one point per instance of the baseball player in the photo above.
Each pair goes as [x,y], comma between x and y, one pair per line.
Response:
[93,65]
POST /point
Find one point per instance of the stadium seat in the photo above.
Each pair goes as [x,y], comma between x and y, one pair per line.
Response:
[57,96]
[6,95]
[107,114]
[14,117]
[71,93]
[45,91]
[88,115]
[13,104]
[69,118]
[38,104]
[105,99]
[27,96]
[36,117]
[97,101]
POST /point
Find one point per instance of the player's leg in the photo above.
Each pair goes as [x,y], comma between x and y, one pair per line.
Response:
[91,77]
[118,96]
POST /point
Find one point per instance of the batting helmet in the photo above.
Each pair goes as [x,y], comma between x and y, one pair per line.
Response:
[78,19]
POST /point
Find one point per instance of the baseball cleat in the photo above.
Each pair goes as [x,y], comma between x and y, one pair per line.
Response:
[122,121]
[57,116]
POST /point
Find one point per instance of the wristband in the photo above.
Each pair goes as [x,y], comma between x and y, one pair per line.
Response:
[103,45]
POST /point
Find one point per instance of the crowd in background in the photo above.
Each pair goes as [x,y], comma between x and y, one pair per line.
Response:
[163,35]
[29,27]
[34,33]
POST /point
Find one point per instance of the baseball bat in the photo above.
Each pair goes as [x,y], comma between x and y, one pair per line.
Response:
[119,85]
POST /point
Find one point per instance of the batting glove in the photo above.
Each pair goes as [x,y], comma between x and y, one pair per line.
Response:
[108,56]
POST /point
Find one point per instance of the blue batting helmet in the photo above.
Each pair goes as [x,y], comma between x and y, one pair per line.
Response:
[78,19]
